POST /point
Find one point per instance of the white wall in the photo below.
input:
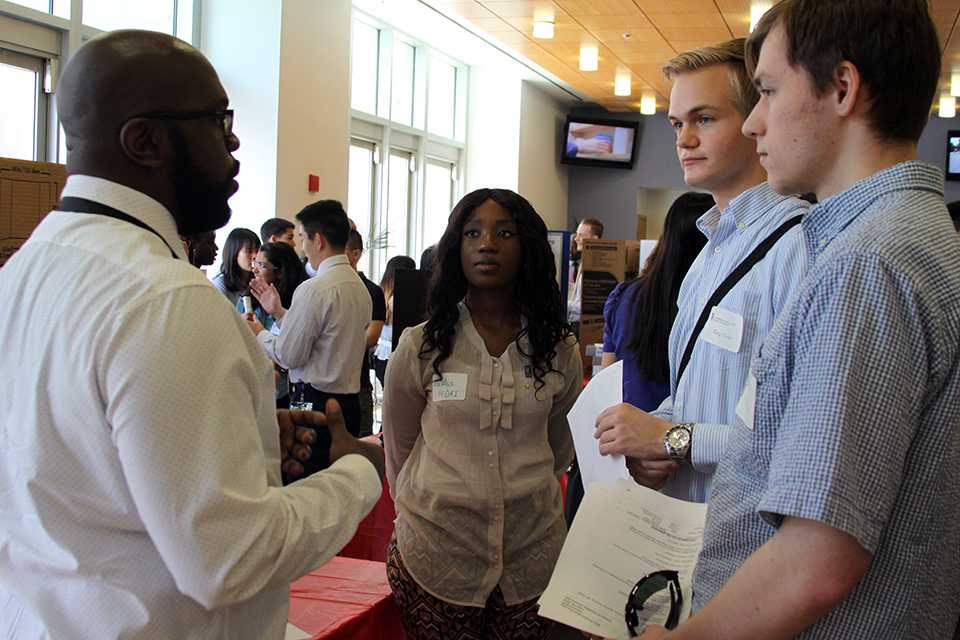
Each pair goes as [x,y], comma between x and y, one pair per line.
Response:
[541,178]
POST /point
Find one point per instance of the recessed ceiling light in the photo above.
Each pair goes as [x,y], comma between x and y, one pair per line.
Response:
[588,57]
[543,29]
[648,105]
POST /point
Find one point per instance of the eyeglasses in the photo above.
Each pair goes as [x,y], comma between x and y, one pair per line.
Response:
[648,586]
[223,116]
[260,265]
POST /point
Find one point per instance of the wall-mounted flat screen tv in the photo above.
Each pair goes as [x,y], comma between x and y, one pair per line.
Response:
[599,142]
[953,156]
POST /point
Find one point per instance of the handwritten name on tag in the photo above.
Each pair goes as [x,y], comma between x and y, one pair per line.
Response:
[724,329]
[453,386]
[748,401]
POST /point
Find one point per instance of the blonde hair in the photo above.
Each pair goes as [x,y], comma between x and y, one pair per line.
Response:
[728,52]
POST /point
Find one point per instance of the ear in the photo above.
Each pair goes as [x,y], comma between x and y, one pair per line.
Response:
[144,142]
[847,87]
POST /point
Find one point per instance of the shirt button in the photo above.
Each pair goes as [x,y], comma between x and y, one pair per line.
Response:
[490,465]
[489,453]
[526,385]
[496,517]
[740,225]
[703,301]
[716,249]
[496,365]
[496,556]
[495,401]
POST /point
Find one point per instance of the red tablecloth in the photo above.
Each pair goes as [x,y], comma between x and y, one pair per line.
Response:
[346,599]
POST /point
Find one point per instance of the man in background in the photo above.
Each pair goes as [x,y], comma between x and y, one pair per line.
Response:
[354,253]
[278,230]
[141,452]
[323,333]
[588,228]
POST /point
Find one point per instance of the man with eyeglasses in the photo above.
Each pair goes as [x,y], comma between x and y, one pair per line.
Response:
[141,451]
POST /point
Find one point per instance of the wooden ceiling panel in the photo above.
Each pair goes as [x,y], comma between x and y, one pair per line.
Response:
[658,29]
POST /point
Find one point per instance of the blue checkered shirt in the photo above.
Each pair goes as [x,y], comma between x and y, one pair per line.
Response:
[710,388]
[858,409]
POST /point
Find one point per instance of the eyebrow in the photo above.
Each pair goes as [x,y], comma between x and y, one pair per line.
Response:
[694,110]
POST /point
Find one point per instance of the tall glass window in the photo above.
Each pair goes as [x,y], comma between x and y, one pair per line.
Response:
[442,102]
[22,106]
[153,15]
[360,199]
[401,96]
[364,62]
[398,201]
[439,193]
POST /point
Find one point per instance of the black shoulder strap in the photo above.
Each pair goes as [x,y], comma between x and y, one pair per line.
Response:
[82,205]
[742,269]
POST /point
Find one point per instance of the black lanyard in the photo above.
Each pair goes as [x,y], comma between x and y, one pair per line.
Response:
[82,205]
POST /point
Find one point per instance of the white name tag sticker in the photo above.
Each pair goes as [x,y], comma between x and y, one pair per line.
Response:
[724,329]
[453,386]
[748,401]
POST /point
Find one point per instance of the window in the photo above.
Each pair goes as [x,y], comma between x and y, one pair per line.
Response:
[407,101]
[168,16]
[23,106]
[361,196]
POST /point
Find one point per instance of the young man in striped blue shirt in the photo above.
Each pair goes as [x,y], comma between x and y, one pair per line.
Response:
[835,512]
[677,447]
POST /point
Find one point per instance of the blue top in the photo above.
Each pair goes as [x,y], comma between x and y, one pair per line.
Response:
[710,389]
[268,322]
[857,420]
[618,316]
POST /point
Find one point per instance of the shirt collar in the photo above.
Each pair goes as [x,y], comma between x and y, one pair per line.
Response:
[827,219]
[332,261]
[748,207]
[130,201]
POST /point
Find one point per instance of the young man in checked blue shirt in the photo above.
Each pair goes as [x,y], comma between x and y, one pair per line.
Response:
[836,511]
[712,96]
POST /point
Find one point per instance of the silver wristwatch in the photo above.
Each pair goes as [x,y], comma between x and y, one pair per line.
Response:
[678,441]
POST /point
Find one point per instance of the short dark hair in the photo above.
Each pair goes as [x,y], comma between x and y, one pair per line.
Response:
[595,225]
[274,227]
[892,43]
[355,240]
[327,218]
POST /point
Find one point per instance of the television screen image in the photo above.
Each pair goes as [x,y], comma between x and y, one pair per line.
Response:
[596,142]
[953,155]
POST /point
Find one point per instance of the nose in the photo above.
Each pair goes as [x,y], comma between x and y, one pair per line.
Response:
[686,139]
[487,242]
[233,142]
[752,126]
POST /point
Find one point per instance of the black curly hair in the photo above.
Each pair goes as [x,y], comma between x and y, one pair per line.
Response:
[537,290]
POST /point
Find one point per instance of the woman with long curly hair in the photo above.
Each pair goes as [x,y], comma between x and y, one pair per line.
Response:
[475,429]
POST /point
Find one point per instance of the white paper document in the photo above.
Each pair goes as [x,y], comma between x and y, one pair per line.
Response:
[604,390]
[622,532]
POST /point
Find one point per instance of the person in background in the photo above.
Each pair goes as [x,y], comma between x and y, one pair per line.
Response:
[475,429]
[322,334]
[954,209]
[277,274]
[354,253]
[385,344]
[279,230]
[588,228]
[236,270]
[638,316]
[203,249]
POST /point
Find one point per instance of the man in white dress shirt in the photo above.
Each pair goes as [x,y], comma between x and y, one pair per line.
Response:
[141,453]
[323,334]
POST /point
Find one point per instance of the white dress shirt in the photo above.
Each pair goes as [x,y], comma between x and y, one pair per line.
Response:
[140,465]
[324,333]
[475,479]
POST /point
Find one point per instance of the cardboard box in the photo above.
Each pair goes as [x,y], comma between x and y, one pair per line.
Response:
[605,264]
[28,191]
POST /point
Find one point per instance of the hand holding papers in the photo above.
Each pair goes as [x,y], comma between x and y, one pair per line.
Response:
[604,390]
[622,532]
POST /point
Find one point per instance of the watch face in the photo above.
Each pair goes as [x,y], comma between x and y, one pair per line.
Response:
[678,439]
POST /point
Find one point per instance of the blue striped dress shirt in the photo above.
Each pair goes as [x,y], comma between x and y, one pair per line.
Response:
[708,393]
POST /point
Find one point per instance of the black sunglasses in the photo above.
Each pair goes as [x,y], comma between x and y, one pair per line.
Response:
[223,116]
[648,586]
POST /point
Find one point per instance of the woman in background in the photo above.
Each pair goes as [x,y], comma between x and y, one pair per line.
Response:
[236,270]
[385,344]
[475,429]
[278,272]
